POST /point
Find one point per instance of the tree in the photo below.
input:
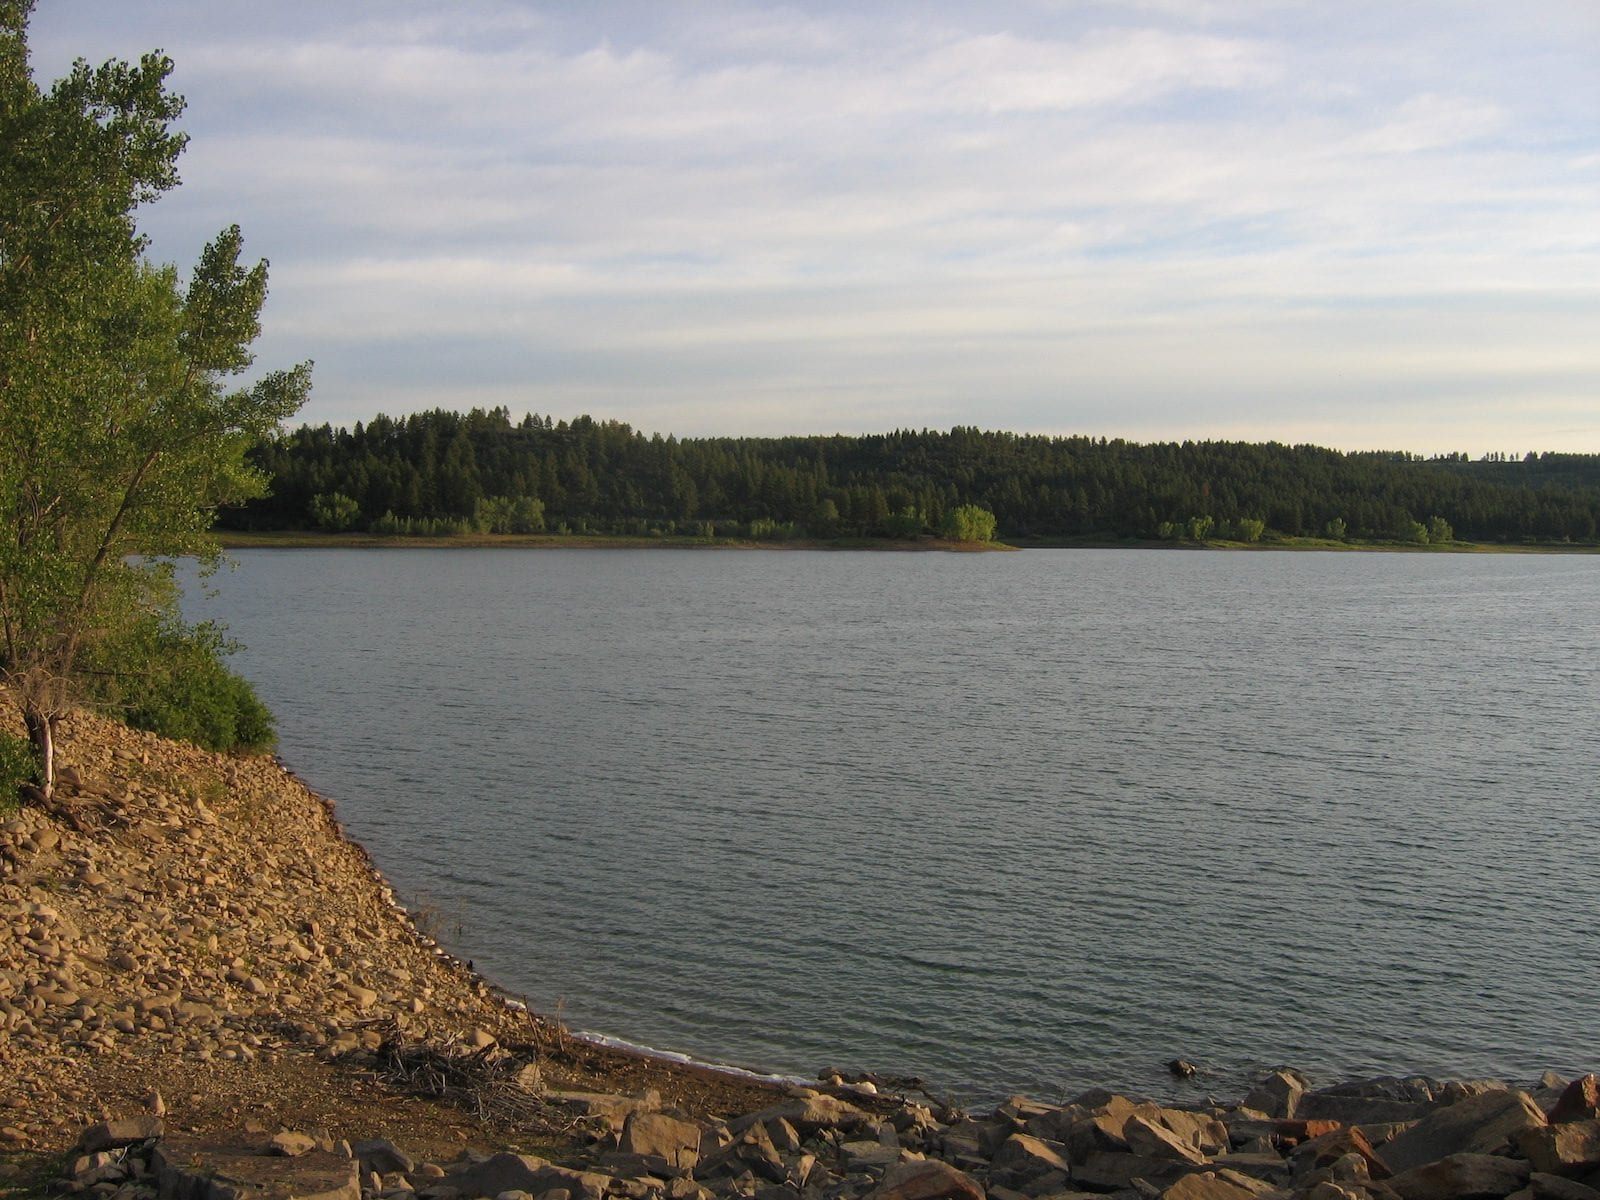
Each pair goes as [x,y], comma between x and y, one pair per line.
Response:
[118,438]
[969,523]
[334,511]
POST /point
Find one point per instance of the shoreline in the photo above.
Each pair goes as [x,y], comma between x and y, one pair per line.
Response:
[307,540]
[201,928]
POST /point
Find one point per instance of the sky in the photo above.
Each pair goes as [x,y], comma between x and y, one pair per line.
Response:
[1362,225]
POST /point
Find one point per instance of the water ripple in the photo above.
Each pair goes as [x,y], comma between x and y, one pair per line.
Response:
[1022,822]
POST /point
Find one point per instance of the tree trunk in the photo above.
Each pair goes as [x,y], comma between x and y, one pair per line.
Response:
[42,733]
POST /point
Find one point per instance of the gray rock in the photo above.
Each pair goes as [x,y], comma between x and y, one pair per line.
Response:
[190,1169]
[1278,1093]
[932,1180]
[507,1172]
[1554,1187]
[1110,1172]
[125,1131]
[383,1157]
[291,1144]
[1029,1156]
[808,1113]
[1485,1124]
[1151,1139]
[676,1142]
[868,1156]
[1462,1177]
[1207,1186]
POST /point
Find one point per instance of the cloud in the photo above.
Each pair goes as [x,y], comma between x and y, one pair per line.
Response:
[1169,213]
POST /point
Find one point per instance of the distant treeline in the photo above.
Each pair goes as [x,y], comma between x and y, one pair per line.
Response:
[444,472]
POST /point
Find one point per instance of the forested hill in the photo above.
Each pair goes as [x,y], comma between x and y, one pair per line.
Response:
[442,472]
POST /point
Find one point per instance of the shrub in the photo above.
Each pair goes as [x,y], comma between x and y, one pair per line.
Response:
[18,765]
[969,523]
[169,678]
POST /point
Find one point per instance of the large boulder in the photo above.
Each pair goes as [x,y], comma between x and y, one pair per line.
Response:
[809,1113]
[124,1131]
[506,1172]
[1030,1157]
[1462,1177]
[1152,1139]
[1571,1148]
[1278,1094]
[931,1180]
[1209,1186]
[1486,1124]
[1579,1102]
[189,1168]
[676,1142]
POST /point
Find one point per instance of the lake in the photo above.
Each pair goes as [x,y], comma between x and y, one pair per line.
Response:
[1010,822]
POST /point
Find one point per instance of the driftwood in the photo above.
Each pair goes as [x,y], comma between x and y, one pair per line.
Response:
[498,1086]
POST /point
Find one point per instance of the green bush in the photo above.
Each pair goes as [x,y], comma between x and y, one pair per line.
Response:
[969,523]
[18,765]
[169,678]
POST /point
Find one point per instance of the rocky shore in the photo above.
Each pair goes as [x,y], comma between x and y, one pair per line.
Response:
[207,992]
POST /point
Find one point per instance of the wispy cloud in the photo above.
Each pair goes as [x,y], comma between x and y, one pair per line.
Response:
[1155,218]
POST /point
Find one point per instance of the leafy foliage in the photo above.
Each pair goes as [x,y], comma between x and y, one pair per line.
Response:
[118,438]
[969,523]
[169,678]
[18,765]
[437,470]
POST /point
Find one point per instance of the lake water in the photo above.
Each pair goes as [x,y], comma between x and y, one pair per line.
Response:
[1011,822]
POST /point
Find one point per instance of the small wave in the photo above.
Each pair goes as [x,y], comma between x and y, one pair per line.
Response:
[616,1043]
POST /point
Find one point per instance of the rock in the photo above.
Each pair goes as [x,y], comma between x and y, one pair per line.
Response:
[188,1168]
[1579,1102]
[1111,1172]
[1278,1094]
[99,1167]
[1328,1148]
[506,1172]
[291,1144]
[1201,1130]
[1462,1177]
[808,1113]
[868,1156]
[1483,1125]
[1571,1148]
[676,1142]
[1030,1157]
[125,1131]
[613,1110]
[751,1151]
[1153,1140]
[932,1180]
[1553,1187]
[1208,1186]
[384,1157]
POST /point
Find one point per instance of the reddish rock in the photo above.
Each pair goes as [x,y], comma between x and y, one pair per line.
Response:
[1571,1148]
[931,1180]
[1580,1102]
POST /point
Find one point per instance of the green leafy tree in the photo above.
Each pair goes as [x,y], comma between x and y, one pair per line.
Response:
[969,523]
[1251,529]
[334,511]
[1439,531]
[118,438]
